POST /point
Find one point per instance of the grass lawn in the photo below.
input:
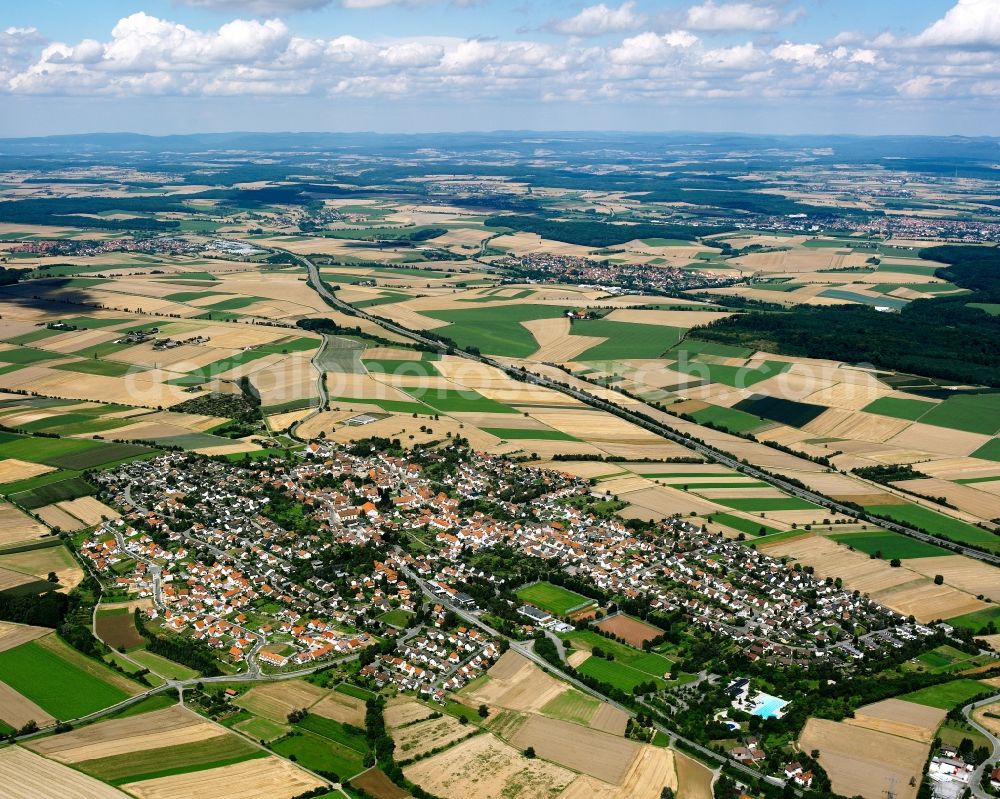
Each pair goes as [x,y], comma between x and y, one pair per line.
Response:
[517,434]
[397,618]
[261,729]
[162,666]
[977,620]
[57,686]
[553,598]
[948,695]
[952,733]
[938,524]
[890,545]
[320,754]
[353,690]
[760,504]
[899,408]
[616,674]
[647,662]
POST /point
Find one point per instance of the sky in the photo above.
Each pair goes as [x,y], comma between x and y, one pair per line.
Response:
[758,66]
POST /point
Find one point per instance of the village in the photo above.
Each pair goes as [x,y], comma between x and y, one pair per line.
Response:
[283,563]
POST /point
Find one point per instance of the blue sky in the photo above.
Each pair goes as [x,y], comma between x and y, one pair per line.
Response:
[821,66]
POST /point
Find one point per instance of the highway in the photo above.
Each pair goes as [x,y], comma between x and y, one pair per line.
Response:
[647,423]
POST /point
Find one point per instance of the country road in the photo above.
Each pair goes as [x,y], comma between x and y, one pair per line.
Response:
[647,423]
[977,776]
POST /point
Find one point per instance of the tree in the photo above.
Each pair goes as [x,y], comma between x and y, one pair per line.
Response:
[530,753]
[53,577]
[895,563]
[483,711]
[938,579]
[667,792]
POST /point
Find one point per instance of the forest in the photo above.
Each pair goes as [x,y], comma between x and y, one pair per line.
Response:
[599,234]
[941,337]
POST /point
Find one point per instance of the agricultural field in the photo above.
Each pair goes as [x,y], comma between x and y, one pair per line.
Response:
[948,695]
[60,680]
[48,778]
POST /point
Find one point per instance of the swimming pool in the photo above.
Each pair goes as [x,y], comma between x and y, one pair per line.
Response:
[767,706]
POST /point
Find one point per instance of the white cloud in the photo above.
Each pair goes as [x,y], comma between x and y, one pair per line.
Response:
[804,55]
[258,6]
[973,23]
[651,48]
[739,16]
[599,19]
[923,86]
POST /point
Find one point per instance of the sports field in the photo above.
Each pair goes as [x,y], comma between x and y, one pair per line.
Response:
[553,598]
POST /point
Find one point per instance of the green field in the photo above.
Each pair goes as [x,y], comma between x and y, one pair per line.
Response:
[58,687]
[750,526]
[616,674]
[495,329]
[553,598]
[729,419]
[222,750]
[946,658]
[733,376]
[320,754]
[990,451]
[449,400]
[974,413]
[572,706]
[93,366]
[977,620]
[353,690]
[28,355]
[937,523]
[397,618]
[390,367]
[891,545]
[517,434]
[761,504]
[948,695]
[626,339]
[899,408]
[648,663]
[58,491]
[261,729]
[335,731]
[162,666]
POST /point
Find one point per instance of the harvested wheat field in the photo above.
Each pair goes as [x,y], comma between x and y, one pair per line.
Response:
[12,469]
[965,497]
[694,779]
[991,722]
[263,778]
[517,684]
[606,757]
[159,729]
[277,699]
[48,779]
[651,771]
[661,501]
[901,718]
[17,710]
[12,635]
[967,574]
[340,707]
[929,602]
[12,579]
[422,737]
[16,526]
[56,517]
[485,766]
[555,343]
[634,632]
[402,710]
[88,510]
[863,762]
